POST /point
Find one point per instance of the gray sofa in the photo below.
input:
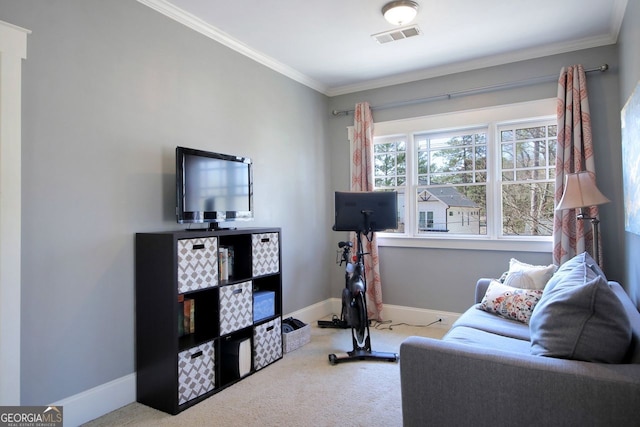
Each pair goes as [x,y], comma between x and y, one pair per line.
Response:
[482,373]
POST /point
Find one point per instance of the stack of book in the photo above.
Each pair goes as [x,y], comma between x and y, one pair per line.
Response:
[186,315]
[225,258]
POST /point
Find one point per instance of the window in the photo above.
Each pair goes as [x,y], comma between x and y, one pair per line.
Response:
[486,175]
[390,170]
[528,156]
[451,177]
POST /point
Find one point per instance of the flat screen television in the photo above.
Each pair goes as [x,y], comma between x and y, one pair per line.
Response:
[212,187]
[366,211]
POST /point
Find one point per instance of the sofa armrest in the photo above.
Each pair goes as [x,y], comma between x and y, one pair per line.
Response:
[481,288]
[447,383]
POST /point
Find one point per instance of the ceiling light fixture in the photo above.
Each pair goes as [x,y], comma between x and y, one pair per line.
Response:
[400,12]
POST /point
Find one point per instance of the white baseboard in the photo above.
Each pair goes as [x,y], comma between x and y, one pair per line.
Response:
[393,313]
[419,316]
[98,401]
[316,311]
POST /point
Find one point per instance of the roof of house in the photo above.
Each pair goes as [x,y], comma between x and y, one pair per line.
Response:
[451,197]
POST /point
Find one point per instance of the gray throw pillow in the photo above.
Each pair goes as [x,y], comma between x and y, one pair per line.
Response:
[581,259]
[580,318]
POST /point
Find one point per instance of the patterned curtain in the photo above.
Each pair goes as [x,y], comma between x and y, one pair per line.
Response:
[362,180]
[574,154]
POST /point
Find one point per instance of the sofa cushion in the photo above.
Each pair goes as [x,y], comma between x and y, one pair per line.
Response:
[475,337]
[512,303]
[488,322]
[580,318]
[527,276]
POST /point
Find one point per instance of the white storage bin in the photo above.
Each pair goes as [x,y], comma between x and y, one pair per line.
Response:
[267,339]
[197,263]
[196,372]
[236,307]
[265,253]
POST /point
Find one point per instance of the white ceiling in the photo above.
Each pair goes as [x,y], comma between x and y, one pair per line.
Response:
[327,44]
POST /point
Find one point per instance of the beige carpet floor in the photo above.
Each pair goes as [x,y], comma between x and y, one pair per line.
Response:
[301,389]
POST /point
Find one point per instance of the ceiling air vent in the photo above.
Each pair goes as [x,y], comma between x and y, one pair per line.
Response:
[399,34]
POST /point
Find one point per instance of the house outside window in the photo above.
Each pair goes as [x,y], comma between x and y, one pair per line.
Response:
[485,175]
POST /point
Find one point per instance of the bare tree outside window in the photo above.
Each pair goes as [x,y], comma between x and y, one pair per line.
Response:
[527,169]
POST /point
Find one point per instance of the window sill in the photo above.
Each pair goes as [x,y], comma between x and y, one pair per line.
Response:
[537,245]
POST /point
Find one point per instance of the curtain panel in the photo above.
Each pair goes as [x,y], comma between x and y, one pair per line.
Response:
[362,180]
[574,154]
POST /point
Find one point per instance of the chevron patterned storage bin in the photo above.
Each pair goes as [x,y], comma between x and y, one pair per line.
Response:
[196,372]
[296,339]
[267,341]
[236,307]
[197,264]
[265,253]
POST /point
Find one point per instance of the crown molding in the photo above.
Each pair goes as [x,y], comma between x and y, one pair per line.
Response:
[617,17]
[485,62]
[196,24]
[208,30]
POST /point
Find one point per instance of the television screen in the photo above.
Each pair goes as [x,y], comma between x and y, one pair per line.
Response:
[212,187]
[366,211]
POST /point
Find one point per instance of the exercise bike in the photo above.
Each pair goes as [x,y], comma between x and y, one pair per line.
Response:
[345,258]
[354,307]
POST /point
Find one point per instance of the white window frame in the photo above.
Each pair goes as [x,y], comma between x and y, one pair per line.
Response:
[492,118]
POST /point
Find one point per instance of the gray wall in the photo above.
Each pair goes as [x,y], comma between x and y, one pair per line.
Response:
[109,90]
[629,41]
[444,279]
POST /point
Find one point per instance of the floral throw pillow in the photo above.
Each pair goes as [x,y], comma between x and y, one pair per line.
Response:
[512,303]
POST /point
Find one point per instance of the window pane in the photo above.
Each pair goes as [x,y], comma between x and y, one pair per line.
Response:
[527,209]
[552,151]
[530,154]
[452,210]
[451,178]
[481,138]
[450,141]
[481,157]
[401,211]
[384,148]
[384,165]
[385,182]
[451,160]
[423,162]
[507,156]
[531,174]
[506,135]
[530,133]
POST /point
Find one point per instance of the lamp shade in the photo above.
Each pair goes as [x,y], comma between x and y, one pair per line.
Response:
[400,12]
[580,191]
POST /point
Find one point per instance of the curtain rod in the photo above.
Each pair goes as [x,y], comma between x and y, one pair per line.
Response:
[508,85]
